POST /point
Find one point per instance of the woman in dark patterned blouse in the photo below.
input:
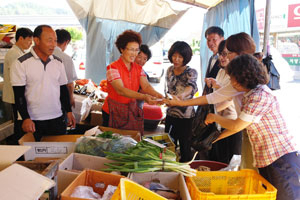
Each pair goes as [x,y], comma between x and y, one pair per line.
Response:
[181,82]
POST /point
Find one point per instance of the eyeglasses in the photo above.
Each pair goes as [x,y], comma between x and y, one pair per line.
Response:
[133,50]
[223,54]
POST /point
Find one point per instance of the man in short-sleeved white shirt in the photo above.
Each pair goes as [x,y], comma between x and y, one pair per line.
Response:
[23,42]
[39,83]
[63,39]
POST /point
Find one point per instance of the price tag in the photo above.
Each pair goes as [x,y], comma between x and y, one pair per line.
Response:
[154,142]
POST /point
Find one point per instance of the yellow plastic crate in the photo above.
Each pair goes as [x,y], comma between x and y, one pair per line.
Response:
[220,185]
[163,137]
[129,190]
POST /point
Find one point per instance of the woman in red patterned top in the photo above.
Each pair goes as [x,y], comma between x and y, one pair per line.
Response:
[273,151]
[124,78]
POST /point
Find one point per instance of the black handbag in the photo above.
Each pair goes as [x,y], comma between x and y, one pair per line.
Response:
[203,135]
[273,73]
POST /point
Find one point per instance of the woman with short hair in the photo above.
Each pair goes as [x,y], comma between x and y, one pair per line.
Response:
[274,152]
[181,81]
[124,78]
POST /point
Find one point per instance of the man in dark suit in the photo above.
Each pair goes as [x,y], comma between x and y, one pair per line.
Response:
[214,35]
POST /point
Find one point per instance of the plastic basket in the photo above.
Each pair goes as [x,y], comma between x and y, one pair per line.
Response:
[129,190]
[212,165]
[219,185]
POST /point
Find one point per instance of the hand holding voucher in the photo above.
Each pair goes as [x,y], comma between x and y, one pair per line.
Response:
[175,101]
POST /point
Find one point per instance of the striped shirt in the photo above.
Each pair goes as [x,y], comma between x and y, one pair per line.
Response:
[268,132]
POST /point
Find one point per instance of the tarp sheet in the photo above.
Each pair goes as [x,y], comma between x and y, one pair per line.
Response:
[233,16]
[104,20]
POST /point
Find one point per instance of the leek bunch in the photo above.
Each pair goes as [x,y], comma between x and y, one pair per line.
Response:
[146,157]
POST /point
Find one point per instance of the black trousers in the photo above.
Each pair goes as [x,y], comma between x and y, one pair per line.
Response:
[223,150]
[181,130]
[57,126]
[105,119]
[18,132]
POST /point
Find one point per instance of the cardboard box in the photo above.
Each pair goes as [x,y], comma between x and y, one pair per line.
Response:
[18,182]
[163,139]
[46,168]
[131,133]
[96,118]
[72,166]
[171,180]
[96,106]
[15,181]
[96,179]
[59,146]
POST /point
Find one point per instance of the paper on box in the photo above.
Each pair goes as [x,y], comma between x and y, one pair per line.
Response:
[21,183]
[59,146]
[10,153]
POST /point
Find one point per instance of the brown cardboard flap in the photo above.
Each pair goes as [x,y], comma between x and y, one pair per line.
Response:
[28,137]
[130,133]
[60,138]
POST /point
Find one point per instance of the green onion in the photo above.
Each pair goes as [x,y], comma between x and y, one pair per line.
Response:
[144,157]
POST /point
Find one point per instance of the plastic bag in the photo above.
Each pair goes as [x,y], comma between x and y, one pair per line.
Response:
[109,192]
[85,192]
[96,146]
[234,164]
[85,108]
[273,73]
[203,135]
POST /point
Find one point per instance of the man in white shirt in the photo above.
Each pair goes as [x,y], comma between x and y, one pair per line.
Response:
[23,42]
[63,39]
[39,83]
[214,35]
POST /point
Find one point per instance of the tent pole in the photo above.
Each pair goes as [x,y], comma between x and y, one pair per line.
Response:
[267,26]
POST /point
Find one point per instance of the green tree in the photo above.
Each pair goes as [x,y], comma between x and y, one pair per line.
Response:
[195,46]
[76,33]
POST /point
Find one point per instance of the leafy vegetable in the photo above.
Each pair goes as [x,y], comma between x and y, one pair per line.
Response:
[107,134]
[146,157]
[97,145]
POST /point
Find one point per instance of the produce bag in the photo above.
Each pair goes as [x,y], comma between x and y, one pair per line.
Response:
[97,146]
[274,80]
[85,108]
[203,135]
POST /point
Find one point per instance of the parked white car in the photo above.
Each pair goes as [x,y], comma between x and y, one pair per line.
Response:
[154,66]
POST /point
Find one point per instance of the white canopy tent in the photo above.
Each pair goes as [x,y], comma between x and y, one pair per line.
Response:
[104,20]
